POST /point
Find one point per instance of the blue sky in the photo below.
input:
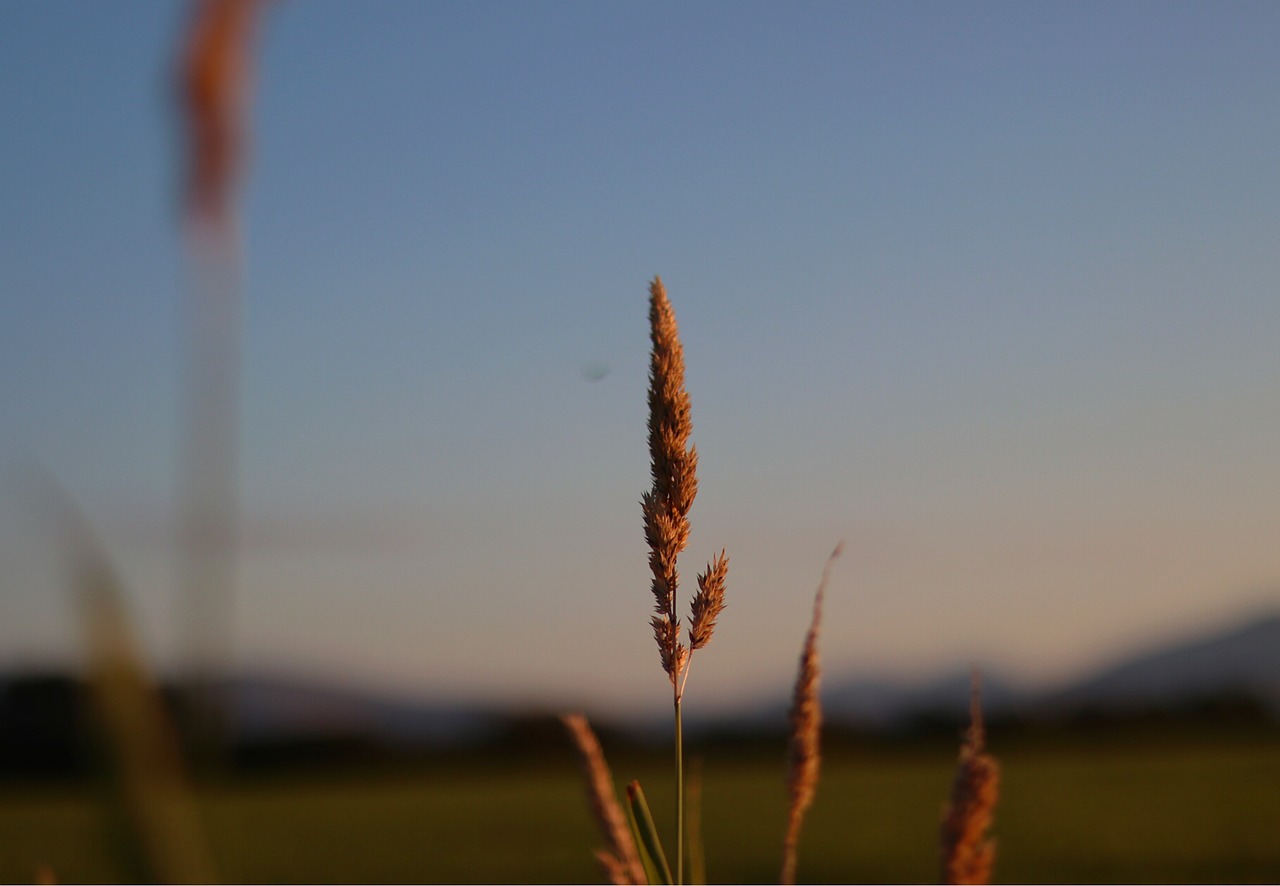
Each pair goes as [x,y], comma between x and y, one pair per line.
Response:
[987,291]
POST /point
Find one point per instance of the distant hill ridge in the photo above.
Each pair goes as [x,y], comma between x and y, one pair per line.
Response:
[1243,659]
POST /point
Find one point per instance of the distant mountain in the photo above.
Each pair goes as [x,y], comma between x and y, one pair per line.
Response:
[1244,658]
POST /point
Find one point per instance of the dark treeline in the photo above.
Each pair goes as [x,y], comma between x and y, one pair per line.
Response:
[48,733]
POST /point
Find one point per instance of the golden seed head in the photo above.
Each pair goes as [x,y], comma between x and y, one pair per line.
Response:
[214,78]
[708,602]
[673,467]
[968,856]
[804,755]
[805,752]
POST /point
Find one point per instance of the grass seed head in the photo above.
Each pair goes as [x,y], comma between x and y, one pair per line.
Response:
[968,855]
[673,467]
[214,73]
[805,750]
[621,861]
[708,602]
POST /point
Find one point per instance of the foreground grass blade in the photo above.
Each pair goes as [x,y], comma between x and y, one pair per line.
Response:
[646,860]
[651,854]
[164,829]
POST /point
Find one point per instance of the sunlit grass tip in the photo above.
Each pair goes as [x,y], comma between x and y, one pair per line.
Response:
[805,751]
[967,854]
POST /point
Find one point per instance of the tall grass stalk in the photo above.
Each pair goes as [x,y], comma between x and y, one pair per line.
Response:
[212,78]
[674,466]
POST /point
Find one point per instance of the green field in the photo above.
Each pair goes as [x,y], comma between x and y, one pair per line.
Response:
[1205,813]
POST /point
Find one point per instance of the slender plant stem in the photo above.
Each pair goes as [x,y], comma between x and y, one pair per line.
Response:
[679,872]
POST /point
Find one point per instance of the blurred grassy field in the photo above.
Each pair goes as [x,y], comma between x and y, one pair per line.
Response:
[1139,813]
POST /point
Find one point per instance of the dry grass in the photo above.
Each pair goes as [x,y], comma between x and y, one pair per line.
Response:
[708,602]
[968,856]
[212,80]
[674,469]
[805,752]
[620,860]
[214,73]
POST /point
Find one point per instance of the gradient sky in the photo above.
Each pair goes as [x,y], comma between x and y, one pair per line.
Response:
[987,291]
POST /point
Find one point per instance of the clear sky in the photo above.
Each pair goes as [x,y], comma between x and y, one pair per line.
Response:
[987,291]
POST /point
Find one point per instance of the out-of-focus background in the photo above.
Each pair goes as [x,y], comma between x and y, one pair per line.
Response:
[988,292]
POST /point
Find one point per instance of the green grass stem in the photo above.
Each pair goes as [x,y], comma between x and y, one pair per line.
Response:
[650,846]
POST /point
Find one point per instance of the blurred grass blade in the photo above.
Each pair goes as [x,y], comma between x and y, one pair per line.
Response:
[621,861]
[651,854]
[164,826]
[646,860]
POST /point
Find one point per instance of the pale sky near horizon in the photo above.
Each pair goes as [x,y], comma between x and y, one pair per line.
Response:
[987,291]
